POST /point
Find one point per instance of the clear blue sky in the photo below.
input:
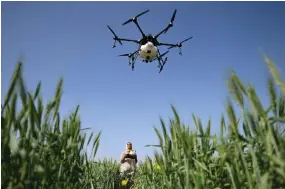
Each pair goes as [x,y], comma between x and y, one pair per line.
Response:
[72,40]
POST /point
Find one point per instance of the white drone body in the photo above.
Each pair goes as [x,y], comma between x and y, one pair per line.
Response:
[148,51]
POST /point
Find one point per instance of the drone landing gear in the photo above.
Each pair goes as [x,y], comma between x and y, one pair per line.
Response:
[160,59]
[162,65]
[132,58]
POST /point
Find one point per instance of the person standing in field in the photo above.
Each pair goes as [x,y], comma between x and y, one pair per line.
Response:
[128,160]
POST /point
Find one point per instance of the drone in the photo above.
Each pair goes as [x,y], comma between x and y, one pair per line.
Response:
[148,45]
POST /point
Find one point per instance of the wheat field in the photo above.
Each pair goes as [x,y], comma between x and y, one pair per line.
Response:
[39,150]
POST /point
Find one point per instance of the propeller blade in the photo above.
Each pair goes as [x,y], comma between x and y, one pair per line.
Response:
[142,13]
[171,21]
[124,55]
[115,36]
[186,40]
[130,20]
[173,16]
[112,31]
[128,54]
[180,44]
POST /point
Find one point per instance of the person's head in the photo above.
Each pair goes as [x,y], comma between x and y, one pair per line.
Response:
[129,146]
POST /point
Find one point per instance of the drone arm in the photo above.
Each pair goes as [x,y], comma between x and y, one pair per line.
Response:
[165,29]
[122,39]
[176,45]
[131,40]
[167,44]
[168,26]
[136,22]
[172,46]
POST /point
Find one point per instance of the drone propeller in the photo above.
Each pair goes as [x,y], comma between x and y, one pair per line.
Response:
[168,26]
[133,19]
[171,21]
[132,57]
[115,37]
[180,44]
[128,55]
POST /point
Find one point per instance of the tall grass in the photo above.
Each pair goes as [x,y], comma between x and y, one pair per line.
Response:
[39,150]
[104,174]
[251,157]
